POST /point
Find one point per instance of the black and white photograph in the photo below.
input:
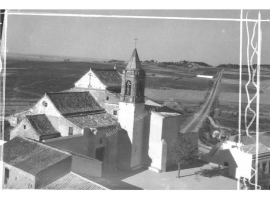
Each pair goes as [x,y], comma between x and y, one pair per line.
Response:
[135,99]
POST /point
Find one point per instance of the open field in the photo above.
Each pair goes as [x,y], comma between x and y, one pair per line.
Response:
[16,105]
[228,101]
[234,88]
[200,84]
[233,97]
[177,95]
[244,77]
[27,81]
[264,71]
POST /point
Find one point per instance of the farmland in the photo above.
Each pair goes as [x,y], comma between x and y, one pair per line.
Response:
[234,88]
[228,100]
[245,77]
[179,83]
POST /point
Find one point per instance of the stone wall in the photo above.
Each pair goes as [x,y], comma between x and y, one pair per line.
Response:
[18,179]
[24,129]
[86,166]
[87,144]
[76,143]
[62,125]
[170,130]
[131,118]
[54,172]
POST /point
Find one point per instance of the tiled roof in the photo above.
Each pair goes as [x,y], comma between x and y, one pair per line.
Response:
[159,109]
[134,62]
[74,102]
[93,120]
[251,148]
[167,114]
[41,124]
[73,181]
[31,156]
[264,138]
[108,77]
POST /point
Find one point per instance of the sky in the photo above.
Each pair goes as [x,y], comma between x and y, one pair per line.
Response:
[213,42]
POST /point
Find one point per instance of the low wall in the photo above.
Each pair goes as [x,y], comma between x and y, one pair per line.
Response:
[75,143]
[86,166]
[81,162]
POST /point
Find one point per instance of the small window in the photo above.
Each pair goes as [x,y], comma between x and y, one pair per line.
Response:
[70,131]
[100,141]
[44,103]
[6,175]
[24,126]
[107,98]
[226,164]
[114,112]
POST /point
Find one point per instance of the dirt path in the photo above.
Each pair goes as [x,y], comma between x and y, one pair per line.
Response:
[199,117]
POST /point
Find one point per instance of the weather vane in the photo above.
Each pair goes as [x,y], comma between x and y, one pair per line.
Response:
[135,42]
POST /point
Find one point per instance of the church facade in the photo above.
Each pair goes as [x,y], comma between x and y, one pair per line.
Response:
[105,117]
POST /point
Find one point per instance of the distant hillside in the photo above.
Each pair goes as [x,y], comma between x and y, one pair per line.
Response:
[188,64]
[116,61]
[43,58]
[202,64]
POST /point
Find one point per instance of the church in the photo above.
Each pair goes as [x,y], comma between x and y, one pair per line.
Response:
[105,117]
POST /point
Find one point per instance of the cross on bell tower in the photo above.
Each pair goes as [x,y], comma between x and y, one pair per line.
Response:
[135,42]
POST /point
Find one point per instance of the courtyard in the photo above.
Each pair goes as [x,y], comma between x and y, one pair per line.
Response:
[200,176]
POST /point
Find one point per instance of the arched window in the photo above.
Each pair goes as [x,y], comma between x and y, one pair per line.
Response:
[128,88]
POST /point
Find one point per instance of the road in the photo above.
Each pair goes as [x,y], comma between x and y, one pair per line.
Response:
[199,117]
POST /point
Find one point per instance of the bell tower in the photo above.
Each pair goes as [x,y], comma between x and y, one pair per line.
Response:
[133,81]
[132,108]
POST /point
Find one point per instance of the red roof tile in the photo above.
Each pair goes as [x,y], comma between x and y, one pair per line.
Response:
[251,148]
[74,102]
[93,120]
[73,181]
[110,78]
[41,124]
[31,156]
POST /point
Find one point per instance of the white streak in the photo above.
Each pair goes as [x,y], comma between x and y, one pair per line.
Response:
[240,86]
[258,93]
[135,17]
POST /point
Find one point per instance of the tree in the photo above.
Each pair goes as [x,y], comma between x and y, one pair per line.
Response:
[263,181]
[183,151]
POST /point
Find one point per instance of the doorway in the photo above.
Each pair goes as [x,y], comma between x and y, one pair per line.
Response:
[100,153]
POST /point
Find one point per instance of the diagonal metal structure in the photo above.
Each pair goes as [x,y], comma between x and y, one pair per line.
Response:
[253,50]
